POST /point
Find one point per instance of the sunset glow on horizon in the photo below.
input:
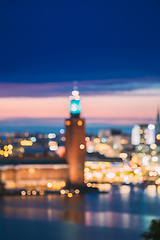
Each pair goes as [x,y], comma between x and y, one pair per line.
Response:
[97,109]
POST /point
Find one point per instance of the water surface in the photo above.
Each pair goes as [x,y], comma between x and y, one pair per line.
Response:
[123,213]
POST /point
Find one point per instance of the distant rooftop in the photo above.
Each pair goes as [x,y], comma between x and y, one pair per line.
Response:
[98,157]
[31,161]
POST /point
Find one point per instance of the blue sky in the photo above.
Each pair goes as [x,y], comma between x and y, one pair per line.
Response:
[61,41]
[111,48]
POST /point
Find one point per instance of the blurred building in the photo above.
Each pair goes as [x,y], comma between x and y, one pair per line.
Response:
[157,129]
[75,141]
[42,174]
[143,134]
[34,167]
[145,138]
[110,143]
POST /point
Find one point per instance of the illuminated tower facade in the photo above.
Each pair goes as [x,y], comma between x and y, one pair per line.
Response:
[75,141]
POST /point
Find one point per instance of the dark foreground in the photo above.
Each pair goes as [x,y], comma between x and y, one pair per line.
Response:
[123,213]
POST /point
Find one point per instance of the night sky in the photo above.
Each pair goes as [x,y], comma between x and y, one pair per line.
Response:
[109,47]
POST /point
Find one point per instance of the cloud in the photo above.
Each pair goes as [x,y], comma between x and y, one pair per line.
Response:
[134,87]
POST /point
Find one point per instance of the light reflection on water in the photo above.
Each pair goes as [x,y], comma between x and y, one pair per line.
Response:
[151,190]
[96,219]
[124,207]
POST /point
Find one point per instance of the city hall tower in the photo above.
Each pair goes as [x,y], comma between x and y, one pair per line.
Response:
[75,141]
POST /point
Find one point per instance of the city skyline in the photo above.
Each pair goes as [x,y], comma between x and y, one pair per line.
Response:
[110,48]
[79,119]
[102,102]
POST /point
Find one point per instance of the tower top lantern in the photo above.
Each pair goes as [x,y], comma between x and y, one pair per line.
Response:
[75,106]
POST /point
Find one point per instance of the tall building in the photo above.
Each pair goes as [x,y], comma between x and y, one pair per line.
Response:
[157,129]
[143,134]
[75,141]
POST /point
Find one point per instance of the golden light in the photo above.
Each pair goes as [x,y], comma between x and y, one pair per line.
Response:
[10,147]
[123,141]
[87,139]
[125,189]
[49,185]
[88,175]
[153,152]
[135,159]
[158,136]
[77,191]
[157,181]
[10,151]
[41,193]
[23,193]
[123,155]
[53,146]
[151,190]
[89,184]
[86,169]
[52,143]
[141,178]
[5,154]
[62,192]
[1,152]
[153,146]
[26,143]
[79,123]
[63,184]
[82,146]
[31,170]
[96,140]
[34,192]
[5,147]
[68,123]
[70,195]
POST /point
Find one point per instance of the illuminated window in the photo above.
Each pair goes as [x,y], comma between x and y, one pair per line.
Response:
[79,123]
[68,123]
[31,170]
[151,126]
[82,146]
[26,143]
[158,136]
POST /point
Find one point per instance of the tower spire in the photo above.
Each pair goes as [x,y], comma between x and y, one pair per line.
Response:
[158,113]
[75,106]
[157,121]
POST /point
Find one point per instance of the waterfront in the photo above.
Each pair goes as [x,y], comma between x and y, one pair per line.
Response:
[123,213]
